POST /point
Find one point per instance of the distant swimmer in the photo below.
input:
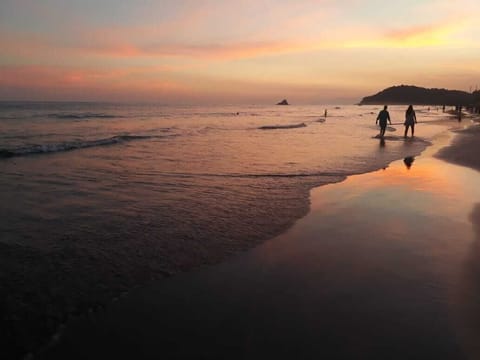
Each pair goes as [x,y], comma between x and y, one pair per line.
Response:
[410,120]
[382,117]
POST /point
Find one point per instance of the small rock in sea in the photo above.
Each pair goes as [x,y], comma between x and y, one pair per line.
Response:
[283,102]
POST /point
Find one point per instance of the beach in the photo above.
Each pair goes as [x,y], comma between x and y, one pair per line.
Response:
[234,180]
[102,200]
[464,149]
[383,266]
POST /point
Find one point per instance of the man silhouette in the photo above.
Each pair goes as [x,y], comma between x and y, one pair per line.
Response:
[382,117]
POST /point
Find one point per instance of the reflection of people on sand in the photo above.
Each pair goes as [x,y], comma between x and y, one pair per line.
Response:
[408,161]
[410,120]
[382,118]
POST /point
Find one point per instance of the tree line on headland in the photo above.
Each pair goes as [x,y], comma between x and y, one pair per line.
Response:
[414,95]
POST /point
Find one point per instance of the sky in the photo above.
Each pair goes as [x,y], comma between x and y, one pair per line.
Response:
[234,51]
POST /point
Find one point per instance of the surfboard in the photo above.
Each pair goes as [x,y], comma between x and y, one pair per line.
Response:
[388,128]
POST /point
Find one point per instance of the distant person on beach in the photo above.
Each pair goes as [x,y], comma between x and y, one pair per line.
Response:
[382,117]
[325,113]
[410,120]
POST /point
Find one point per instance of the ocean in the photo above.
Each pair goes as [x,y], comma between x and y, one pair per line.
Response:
[99,198]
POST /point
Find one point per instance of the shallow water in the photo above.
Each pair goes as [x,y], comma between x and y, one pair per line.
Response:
[385,266]
[99,198]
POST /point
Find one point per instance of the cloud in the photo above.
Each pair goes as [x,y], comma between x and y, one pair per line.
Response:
[44,77]
[143,84]
[229,51]
[439,34]
[424,35]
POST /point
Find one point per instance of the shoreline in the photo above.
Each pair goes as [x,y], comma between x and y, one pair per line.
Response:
[136,267]
[128,304]
[464,149]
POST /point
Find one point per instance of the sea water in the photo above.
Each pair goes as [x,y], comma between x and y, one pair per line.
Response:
[97,198]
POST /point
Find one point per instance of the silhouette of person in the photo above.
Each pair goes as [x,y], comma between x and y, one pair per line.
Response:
[410,120]
[382,118]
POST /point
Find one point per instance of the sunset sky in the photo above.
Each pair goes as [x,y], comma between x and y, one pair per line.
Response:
[242,51]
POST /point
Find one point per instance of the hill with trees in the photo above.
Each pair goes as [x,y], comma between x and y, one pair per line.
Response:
[408,94]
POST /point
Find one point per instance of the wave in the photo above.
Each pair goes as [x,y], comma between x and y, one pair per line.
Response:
[73,145]
[83,115]
[260,175]
[216,114]
[10,117]
[288,126]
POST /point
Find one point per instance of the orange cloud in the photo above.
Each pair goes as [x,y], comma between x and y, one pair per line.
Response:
[112,44]
[412,32]
[207,51]
[33,47]
[44,77]
[424,35]
[428,35]
[144,84]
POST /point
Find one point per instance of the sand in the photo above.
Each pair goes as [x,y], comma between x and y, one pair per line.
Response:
[465,149]
[384,266]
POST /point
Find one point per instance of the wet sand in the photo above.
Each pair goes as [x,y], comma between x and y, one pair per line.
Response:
[465,148]
[384,266]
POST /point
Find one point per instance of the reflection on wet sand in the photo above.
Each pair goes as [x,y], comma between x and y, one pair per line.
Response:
[369,273]
[408,161]
[467,299]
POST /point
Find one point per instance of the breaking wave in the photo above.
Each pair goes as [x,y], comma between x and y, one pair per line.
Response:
[72,145]
[264,175]
[82,115]
[288,126]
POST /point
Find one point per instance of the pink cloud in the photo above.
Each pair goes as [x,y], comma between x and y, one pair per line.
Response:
[37,48]
[208,51]
[57,77]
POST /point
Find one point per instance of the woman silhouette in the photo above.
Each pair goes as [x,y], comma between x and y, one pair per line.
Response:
[410,120]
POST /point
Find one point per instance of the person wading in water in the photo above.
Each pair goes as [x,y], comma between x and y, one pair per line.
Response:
[410,120]
[382,117]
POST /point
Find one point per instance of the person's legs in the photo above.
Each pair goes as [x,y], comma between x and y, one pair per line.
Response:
[406,129]
[413,129]
[383,126]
